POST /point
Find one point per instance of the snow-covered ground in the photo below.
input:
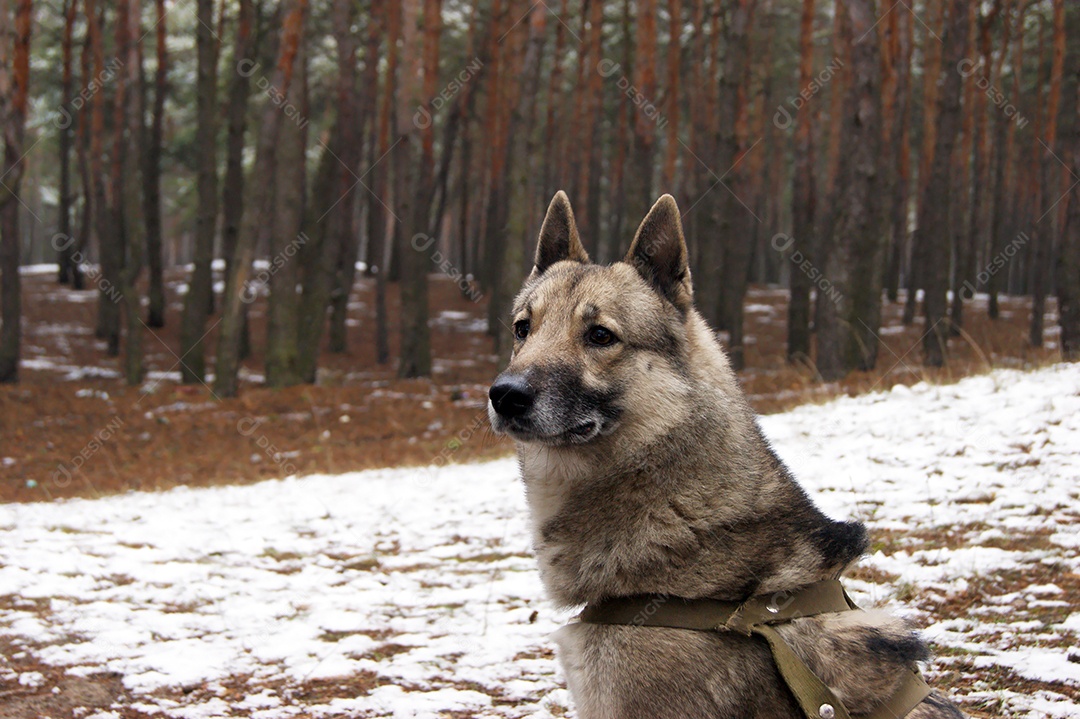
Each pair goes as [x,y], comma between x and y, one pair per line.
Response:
[413,592]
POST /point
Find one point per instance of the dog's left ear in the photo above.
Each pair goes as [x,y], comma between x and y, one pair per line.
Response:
[658,253]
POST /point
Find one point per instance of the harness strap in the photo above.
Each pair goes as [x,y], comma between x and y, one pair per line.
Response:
[757,615]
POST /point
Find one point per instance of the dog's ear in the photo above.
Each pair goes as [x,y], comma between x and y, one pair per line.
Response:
[558,236]
[658,253]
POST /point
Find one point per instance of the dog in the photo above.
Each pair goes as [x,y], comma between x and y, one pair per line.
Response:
[646,473]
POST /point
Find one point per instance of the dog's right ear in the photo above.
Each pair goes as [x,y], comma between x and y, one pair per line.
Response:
[558,236]
[658,253]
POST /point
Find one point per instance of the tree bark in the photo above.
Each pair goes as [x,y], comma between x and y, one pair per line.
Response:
[1043,228]
[152,171]
[287,241]
[734,227]
[900,139]
[199,301]
[14,102]
[340,230]
[131,187]
[1067,265]
[933,227]
[258,206]
[998,201]
[346,268]
[66,255]
[413,170]
[932,50]
[849,320]
[803,199]
[639,192]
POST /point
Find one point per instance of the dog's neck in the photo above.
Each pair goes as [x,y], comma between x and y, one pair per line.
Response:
[705,509]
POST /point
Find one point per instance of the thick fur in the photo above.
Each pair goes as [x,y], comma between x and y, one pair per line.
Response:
[645,472]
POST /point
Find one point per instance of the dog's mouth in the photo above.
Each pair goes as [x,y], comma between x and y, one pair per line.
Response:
[578,434]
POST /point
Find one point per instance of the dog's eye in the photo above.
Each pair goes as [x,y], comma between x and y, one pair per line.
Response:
[521,329]
[600,336]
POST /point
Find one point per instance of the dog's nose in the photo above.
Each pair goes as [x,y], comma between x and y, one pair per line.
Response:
[511,396]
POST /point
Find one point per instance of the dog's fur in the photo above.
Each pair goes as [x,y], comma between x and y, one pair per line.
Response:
[646,472]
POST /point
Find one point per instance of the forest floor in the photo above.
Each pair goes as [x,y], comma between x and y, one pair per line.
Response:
[72,428]
[413,592]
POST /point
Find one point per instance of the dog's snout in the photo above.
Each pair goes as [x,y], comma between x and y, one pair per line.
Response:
[511,396]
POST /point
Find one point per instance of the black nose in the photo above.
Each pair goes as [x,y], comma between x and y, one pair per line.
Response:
[511,396]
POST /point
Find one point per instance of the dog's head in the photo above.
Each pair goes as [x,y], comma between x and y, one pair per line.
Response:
[598,349]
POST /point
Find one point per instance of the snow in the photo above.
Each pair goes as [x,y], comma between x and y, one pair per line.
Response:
[416,590]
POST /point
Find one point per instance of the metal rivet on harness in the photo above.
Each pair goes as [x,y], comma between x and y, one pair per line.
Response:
[826,711]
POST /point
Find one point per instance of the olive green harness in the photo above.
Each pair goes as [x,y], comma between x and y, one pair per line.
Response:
[759,615]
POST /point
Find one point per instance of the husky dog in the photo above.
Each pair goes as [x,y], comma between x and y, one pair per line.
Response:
[646,473]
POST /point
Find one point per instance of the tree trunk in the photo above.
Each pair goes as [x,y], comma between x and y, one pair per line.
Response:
[377,216]
[639,191]
[413,173]
[963,261]
[14,101]
[346,268]
[1043,229]
[734,229]
[1001,158]
[850,311]
[1068,258]
[900,138]
[132,191]
[933,227]
[522,155]
[258,206]
[199,301]
[232,193]
[289,185]
[803,199]
[932,49]
[152,170]
[339,237]
[66,255]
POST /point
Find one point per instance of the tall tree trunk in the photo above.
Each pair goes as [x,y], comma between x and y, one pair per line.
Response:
[803,198]
[933,227]
[258,206]
[963,262]
[346,267]
[522,159]
[900,139]
[377,217]
[1043,228]
[232,192]
[639,193]
[669,179]
[152,170]
[66,255]
[1003,132]
[199,301]
[1068,258]
[339,235]
[82,151]
[932,50]
[108,317]
[735,214]
[413,173]
[849,320]
[288,244]
[976,229]
[131,187]
[14,101]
